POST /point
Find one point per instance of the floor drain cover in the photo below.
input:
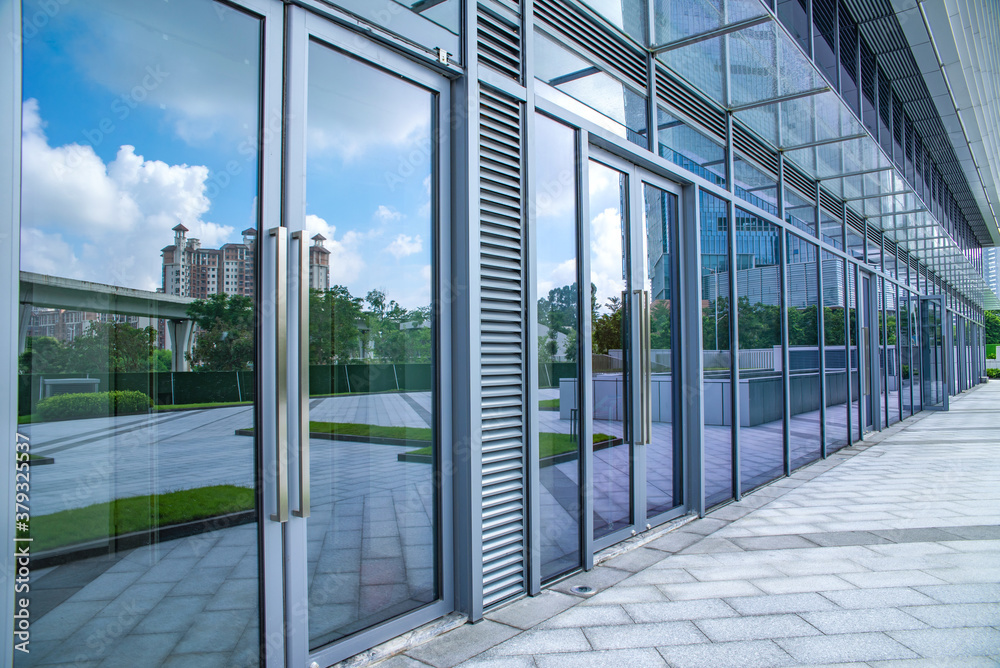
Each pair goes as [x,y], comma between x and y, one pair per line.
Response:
[583,590]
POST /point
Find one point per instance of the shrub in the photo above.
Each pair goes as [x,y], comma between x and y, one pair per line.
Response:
[92,404]
[993,373]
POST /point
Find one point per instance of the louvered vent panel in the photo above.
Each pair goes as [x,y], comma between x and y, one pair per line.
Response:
[855,221]
[678,95]
[799,181]
[574,25]
[502,334]
[830,203]
[874,236]
[499,43]
[748,144]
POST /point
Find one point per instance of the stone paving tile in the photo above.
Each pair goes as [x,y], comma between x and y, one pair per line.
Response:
[890,597]
[581,616]
[939,662]
[862,621]
[543,641]
[779,603]
[624,658]
[800,584]
[499,662]
[760,653]
[977,641]
[679,610]
[772,542]
[963,593]
[762,627]
[686,591]
[644,635]
[529,612]
[626,594]
[463,643]
[909,578]
[847,647]
[957,615]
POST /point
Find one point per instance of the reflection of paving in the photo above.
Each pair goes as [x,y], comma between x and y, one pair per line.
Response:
[194,601]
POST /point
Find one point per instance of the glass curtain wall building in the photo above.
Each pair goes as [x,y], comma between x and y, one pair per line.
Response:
[328,319]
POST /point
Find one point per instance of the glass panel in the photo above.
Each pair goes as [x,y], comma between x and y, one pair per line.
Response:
[373,531]
[558,348]
[906,335]
[800,212]
[609,289]
[754,186]
[825,38]
[932,349]
[855,244]
[690,149]
[762,406]
[834,338]
[831,229]
[795,16]
[663,460]
[874,251]
[619,109]
[716,355]
[853,331]
[629,16]
[141,124]
[848,59]
[446,13]
[674,20]
[882,362]
[892,357]
[803,351]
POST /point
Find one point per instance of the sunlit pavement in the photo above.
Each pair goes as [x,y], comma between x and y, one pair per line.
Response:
[887,553]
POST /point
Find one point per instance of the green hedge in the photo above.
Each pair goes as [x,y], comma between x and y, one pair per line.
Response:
[93,404]
[993,373]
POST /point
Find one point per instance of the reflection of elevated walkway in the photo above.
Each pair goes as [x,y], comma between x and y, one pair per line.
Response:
[68,293]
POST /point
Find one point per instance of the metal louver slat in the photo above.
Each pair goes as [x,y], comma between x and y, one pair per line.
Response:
[800,181]
[680,98]
[501,261]
[830,203]
[748,144]
[578,29]
[499,43]
[855,221]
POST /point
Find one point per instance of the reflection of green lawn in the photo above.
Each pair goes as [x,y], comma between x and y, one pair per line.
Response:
[548,405]
[136,513]
[366,430]
[550,444]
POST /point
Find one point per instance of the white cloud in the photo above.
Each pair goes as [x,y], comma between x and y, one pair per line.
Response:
[606,255]
[404,245]
[105,223]
[385,214]
[346,261]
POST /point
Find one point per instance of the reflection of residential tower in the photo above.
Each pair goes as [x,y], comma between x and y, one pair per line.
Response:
[319,264]
[192,271]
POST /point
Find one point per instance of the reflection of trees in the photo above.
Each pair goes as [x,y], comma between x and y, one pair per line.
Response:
[715,324]
[224,341]
[114,347]
[558,313]
[607,328]
[659,324]
[345,328]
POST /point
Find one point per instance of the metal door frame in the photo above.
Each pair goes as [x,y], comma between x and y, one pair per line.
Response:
[636,177]
[943,375]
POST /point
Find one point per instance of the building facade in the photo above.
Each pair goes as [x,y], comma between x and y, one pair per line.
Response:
[778,210]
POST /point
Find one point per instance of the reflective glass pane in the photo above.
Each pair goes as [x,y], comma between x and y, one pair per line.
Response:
[446,13]
[141,124]
[558,348]
[795,16]
[836,351]
[803,351]
[762,405]
[831,229]
[800,212]
[855,244]
[893,368]
[629,16]
[716,355]
[754,186]
[690,149]
[611,355]
[882,364]
[853,325]
[663,460]
[906,336]
[372,534]
[915,350]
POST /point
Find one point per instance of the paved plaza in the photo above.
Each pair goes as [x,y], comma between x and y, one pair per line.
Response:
[885,554]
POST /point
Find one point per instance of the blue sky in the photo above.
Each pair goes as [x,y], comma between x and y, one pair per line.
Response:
[142,115]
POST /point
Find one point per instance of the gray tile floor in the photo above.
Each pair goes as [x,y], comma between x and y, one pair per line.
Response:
[885,554]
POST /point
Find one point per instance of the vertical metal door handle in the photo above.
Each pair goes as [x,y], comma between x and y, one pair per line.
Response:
[648,370]
[303,403]
[280,235]
[644,369]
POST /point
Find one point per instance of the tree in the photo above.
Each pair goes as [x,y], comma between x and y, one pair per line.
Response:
[992,327]
[607,328]
[104,347]
[224,341]
[334,316]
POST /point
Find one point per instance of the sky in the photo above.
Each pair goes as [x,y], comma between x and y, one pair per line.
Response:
[141,115]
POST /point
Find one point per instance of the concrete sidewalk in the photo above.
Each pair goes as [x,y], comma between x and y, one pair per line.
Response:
[887,553]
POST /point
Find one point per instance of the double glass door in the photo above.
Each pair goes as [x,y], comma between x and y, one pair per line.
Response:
[633,402]
[230,376]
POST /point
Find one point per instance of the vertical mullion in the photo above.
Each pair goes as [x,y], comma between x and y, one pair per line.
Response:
[690,346]
[785,374]
[636,266]
[821,340]
[734,352]
[586,393]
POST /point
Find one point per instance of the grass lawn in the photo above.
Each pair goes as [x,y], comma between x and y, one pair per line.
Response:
[189,407]
[137,513]
[356,429]
[548,405]
[550,444]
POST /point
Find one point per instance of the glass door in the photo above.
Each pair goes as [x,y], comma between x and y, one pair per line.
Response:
[365,201]
[636,458]
[143,407]
[933,353]
[869,343]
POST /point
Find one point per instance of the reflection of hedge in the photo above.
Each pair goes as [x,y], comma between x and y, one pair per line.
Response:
[199,387]
[92,404]
[550,374]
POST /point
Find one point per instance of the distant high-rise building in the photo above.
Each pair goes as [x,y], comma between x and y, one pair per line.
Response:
[319,264]
[192,271]
[991,268]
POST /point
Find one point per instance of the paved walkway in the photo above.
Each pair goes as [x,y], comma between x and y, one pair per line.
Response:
[885,554]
